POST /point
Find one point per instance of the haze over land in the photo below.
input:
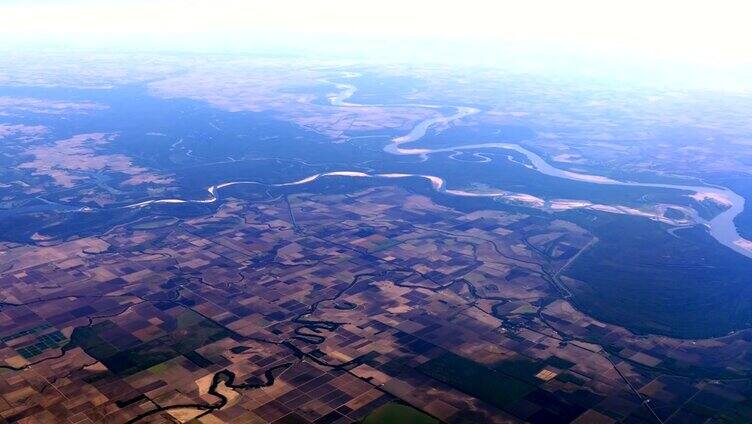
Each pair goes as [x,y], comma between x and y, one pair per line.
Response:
[697,43]
[330,211]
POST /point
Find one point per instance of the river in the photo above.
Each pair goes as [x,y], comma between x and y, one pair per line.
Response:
[721,227]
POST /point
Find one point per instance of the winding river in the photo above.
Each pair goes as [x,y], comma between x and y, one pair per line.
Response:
[721,227]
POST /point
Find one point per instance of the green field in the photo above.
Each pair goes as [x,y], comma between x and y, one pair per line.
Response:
[193,331]
[397,413]
[476,379]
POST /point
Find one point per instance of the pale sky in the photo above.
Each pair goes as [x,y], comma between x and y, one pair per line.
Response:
[713,34]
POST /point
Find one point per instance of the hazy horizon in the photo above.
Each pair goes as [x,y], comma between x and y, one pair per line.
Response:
[687,45]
